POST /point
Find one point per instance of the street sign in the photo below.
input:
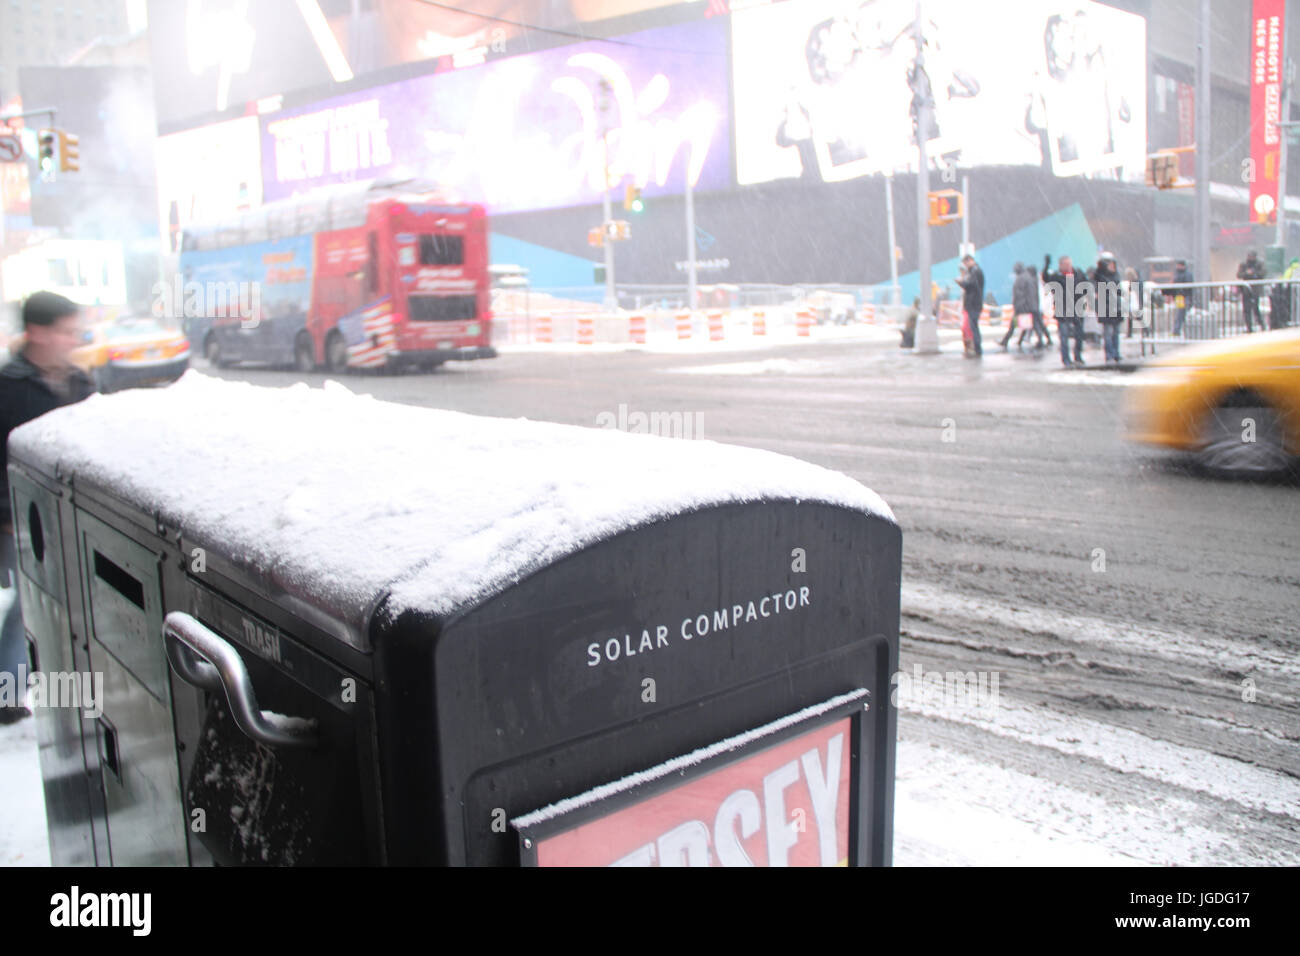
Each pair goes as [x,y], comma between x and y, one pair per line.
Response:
[11,147]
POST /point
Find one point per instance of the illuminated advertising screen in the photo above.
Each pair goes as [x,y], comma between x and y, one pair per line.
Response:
[212,55]
[525,132]
[822,88]
[206,174]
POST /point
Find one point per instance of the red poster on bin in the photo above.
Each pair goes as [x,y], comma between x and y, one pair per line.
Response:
[785,805]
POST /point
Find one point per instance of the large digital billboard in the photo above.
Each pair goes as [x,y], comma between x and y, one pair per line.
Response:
[213,55]
[822,87]
[206,174]
[526,132]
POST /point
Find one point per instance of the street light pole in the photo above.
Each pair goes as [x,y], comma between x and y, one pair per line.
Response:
[690,242]
[927,326]
[895,293]
[611,297]
[1202,218]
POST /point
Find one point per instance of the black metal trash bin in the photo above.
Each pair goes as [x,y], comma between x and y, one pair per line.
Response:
[333,630]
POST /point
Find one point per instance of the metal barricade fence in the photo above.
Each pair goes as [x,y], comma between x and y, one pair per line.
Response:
[1198,311]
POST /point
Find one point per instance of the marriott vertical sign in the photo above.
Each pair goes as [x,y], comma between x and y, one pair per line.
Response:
[1266,59]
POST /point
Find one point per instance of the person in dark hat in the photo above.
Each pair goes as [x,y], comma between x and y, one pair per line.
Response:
[38,379]
[1252,270]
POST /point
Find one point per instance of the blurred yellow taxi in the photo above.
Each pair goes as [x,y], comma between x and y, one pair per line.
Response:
[132,350]
[1235,403]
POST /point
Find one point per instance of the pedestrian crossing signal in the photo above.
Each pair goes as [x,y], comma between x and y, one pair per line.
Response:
[1162,170]
[946,206]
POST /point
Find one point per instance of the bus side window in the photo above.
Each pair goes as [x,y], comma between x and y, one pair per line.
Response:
[372,265]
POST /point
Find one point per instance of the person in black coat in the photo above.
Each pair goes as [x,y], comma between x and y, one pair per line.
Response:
[971,281]
[38,379]
[1023,292]
[1108,292]
[1069,289]
[1251,269]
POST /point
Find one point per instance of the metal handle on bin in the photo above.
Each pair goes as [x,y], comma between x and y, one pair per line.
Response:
[203,658]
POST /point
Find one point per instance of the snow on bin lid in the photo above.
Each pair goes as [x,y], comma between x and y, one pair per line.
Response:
[339,497]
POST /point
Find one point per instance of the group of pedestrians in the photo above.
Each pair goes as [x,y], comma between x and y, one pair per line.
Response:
[1100,291]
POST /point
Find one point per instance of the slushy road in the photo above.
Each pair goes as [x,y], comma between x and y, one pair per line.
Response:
[1142,620]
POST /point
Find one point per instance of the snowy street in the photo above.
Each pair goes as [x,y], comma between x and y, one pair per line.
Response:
[1138,619]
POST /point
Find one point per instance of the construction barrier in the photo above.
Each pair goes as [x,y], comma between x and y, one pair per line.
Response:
[869,312]
[1008,313]
[542,331]
[586,330]
[759,326]
[803,322]
[636,329]
[716,331]
[683,324]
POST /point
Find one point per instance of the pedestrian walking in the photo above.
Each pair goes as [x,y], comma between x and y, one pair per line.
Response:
[1134,301]
[1108,293]
[1251,269]
[1039,327]
[971,281]
[1024,290]
[1180,297]
[1069,290]
[38,379]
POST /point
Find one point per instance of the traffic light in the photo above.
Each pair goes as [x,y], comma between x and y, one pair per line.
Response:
[632,199]
[946,205]
[46,139]
[69,152]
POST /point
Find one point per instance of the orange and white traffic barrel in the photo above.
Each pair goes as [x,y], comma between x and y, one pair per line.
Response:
[759,325]
[636,329]
[869,312]
[684,324]
[716,333]
[542,331]
[803,322]
[586,330]
[1008,313]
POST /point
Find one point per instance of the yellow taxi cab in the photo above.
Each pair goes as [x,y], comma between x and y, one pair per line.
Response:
[1235,403]
[132,350]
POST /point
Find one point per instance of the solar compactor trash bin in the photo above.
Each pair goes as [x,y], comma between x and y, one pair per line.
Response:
[332,630]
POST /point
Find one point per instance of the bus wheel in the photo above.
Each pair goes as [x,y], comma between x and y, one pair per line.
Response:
[304,353]
[336,352]
[212,352]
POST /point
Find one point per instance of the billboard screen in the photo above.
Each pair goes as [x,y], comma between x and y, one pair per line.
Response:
[822,87]
[206,174]
[525,132]
[212,55]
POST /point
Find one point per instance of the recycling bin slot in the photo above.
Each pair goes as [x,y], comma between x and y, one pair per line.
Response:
[404,636]
[119,580]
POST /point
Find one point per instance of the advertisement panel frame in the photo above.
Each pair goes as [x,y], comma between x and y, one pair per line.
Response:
[619,796]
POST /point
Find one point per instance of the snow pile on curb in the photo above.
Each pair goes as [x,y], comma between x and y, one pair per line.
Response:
[339,497]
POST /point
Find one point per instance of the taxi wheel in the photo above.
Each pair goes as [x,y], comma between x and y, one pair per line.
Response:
[1243,438]
[304,354]
[336,352]
[212,352]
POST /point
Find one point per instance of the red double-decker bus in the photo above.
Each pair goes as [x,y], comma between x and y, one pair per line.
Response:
[363,275]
